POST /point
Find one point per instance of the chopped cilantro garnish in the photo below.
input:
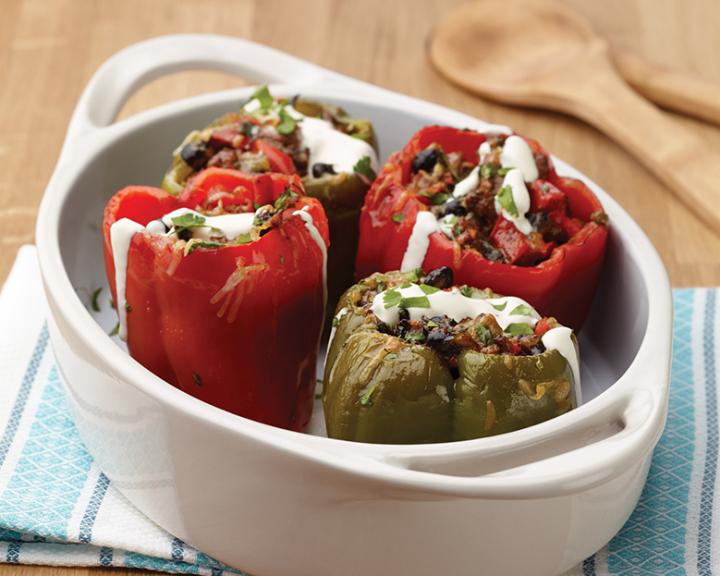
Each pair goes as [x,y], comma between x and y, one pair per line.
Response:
[499,307]
[414,337]
[391,298]
[115,330]
[196,378]
[487,171]
[287,123]
[522,310]
[335,322]
[503,171]
[414,275]
[194,244]
[440,198]
[506,201]
[429,289]
[519,329]
[366,397]
[94,299]
[484,334]
[398,217]
[286,199]
[189,220]
[466,291]
[364,167]
[264,98]
[431,324]
[415,302]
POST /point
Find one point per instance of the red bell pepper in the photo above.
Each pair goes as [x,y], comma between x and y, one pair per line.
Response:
[235,325]
[561,284]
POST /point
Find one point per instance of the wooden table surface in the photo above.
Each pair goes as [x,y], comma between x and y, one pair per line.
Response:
[50,48]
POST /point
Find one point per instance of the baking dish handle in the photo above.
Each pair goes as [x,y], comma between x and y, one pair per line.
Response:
[640,422]
[129,69]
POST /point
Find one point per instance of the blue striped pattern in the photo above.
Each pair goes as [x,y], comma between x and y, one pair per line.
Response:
[88,521]
[704,557]
[22,397]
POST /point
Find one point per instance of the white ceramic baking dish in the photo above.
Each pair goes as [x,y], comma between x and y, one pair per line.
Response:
[274,502]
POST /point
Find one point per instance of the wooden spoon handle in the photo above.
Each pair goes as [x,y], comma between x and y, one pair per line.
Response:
[668,88]
[687,164]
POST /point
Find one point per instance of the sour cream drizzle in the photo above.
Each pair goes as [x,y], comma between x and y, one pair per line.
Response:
[521,199]
[317,237]
[325,143]
[228,225]
[121,235]
[506,310]
[517,154]
[425,224]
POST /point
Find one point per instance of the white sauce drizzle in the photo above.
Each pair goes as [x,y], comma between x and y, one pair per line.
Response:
[317,237]
[339,316]
[521,198]
[453,304]
[425,224]
[484,152]
[559,339]
[325,143]
[469,183]
[228,225]
[517,154]
[121,235]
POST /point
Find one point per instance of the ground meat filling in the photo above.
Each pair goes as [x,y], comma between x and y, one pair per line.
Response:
[470,220]
[447,337]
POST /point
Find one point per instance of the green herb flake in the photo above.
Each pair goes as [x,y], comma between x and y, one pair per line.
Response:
[415,337]
[431,324]
[189,220]
[128,308]
[440,198]
[115,331]
[415,302]
[484,335]
[522,310]
[391,298]
[263,96]
[519,329]
[429,289]
[196,378]
[335,322]
[499,307]
[286,199]
[487,171]
[506,201]
[466,291]
[287,123]
[364,167]
[398,217]
[366,396]
[193,244]
[94,299]
[504,171]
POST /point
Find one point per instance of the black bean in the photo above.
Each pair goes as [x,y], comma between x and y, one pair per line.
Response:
[453,206]
[439,278]
[194,155]
[426,159]
[490,252]
[319,169]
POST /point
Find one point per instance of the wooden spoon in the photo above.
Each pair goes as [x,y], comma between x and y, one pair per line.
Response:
[538,53]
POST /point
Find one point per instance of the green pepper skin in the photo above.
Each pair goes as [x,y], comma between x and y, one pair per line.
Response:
[342,195]
[381,389]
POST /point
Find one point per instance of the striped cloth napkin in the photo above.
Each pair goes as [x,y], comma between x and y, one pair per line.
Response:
[58,508]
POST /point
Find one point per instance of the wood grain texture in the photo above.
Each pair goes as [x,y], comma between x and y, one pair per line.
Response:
[50,48]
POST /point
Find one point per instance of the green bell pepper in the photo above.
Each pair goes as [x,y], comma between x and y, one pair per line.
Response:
[381,388]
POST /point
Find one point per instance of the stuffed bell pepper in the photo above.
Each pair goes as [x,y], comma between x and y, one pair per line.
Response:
[415,359]
[221,290]
[493,208]
[333,153]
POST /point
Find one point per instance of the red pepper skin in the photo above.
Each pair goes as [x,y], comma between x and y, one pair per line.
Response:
[562,286]
[237,326]
[279,161]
